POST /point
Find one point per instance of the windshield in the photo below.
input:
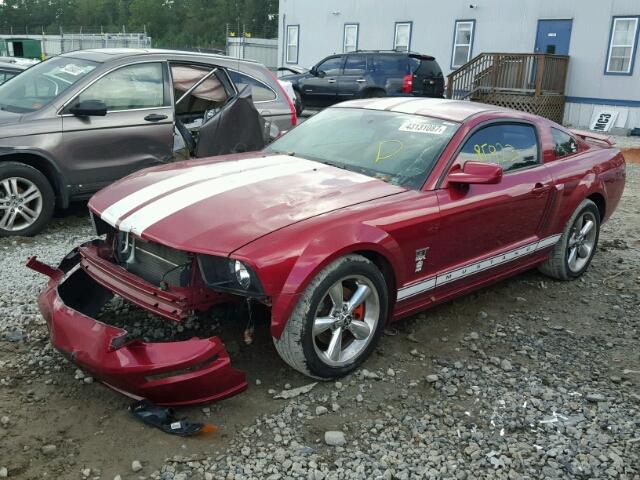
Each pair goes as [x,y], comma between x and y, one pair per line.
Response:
[40,84]
[395,147]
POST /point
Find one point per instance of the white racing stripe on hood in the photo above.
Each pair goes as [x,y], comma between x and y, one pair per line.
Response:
[160,209]
[120,208]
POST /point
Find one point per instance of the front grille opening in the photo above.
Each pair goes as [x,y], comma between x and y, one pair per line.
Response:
[153,262]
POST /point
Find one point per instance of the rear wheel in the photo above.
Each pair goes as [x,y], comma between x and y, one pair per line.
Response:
[573,253]
[26,200]
[337,321]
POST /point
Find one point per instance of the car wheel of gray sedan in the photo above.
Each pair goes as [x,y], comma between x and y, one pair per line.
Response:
[338,319]
[574,251]
[26,200]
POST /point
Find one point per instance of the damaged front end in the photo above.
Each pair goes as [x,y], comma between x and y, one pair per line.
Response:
[166,282]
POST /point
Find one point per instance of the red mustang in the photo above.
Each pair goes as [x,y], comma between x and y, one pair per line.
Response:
[368,212]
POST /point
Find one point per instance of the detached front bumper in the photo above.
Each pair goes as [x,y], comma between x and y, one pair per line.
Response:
[174,373]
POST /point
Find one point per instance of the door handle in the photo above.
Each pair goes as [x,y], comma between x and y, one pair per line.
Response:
[155,117]
[540,188]
[361,80]
[331,80]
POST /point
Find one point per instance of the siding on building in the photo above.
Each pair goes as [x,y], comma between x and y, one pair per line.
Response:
[500,26]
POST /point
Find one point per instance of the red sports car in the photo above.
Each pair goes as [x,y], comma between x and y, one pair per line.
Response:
[368,212]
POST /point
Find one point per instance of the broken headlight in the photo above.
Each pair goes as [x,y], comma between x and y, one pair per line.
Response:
[229,274]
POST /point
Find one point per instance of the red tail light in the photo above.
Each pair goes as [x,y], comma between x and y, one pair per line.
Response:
[407,83]
[294,115]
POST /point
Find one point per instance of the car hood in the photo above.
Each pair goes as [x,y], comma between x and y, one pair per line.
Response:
[219,205]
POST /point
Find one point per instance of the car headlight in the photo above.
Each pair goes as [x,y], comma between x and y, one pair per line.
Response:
[223,273]
[243,277]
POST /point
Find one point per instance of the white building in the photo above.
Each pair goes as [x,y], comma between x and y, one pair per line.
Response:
[600,37]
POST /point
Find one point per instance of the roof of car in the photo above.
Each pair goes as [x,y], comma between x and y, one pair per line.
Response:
[106,54]
[453,110]
[12,66]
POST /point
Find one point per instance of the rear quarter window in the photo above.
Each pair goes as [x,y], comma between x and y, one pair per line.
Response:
[260,92]
[390,64]
[563,143]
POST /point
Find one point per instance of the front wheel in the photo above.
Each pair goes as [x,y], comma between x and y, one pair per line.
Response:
[338,319]
[26,200]
[574,251]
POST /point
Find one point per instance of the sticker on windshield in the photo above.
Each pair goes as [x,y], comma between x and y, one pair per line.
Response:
[423,127]
[72,69]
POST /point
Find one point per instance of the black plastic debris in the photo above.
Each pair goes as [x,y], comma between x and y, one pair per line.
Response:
[165,419]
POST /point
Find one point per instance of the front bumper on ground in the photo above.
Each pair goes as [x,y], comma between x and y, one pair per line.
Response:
[174,373]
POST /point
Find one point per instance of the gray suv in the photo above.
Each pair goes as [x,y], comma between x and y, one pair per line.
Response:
[77,122]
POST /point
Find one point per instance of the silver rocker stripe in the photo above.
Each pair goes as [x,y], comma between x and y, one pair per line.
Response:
[473,268]
[115,212]
[160,209]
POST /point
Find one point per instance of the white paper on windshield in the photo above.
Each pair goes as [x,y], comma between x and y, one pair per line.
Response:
[72,69]
[423,127]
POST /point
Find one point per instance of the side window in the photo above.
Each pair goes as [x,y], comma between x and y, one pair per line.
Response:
[563,144]
[209,95]
[510,145]
[259,91]
[331,66]
[134,86]
[355,65]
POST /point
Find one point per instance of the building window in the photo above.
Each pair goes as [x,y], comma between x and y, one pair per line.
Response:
[293,33]
[622,45]
[350,37]
[402,37]
[462,42]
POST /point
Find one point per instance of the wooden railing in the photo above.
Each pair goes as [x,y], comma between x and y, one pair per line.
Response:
[519,73]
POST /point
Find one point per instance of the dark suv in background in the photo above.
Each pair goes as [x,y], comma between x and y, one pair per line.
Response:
[365,74]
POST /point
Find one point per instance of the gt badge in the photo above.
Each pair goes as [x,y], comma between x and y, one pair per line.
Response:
[421,255]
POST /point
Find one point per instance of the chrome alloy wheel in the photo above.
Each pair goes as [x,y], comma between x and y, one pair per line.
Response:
[582,241]
[346,320]
[20,203]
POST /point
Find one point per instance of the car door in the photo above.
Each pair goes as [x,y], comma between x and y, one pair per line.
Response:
[321,89]
[136,132]
[352,81]
[485,227]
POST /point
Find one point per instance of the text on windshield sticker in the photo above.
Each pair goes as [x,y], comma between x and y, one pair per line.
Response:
[422,127]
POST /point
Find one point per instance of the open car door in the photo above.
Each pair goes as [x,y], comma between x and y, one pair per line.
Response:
[236,127]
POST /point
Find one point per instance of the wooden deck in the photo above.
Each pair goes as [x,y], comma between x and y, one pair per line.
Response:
[530,82]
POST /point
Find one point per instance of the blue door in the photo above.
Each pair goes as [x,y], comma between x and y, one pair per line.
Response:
[553,36]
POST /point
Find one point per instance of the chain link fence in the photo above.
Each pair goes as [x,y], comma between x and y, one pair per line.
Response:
[30,42]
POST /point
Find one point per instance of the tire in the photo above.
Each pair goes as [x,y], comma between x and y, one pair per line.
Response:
[297,103]
[374,93]
[26,215]
[305,351]
[559,265]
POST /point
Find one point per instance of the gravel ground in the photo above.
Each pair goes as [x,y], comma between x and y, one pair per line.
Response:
[529,378]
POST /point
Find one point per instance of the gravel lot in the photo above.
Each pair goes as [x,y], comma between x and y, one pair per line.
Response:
[529,378]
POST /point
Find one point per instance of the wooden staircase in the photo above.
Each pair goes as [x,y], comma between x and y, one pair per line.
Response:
[530,82]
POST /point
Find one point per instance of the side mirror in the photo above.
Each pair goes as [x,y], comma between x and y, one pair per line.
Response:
[89,108]
[314,71]
[476,173]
